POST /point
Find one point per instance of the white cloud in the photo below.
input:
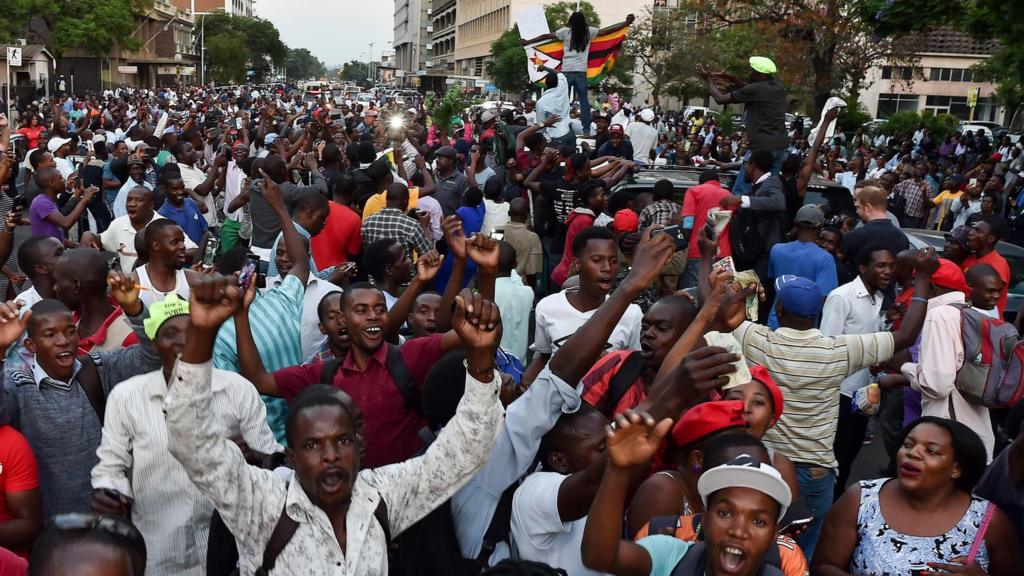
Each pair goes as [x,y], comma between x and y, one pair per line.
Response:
[335,31]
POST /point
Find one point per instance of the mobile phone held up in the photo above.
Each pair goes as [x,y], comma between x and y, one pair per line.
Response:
[248,273]
[210,250]
[676,233]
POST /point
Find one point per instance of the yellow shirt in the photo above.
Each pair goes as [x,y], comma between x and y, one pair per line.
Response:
[377,202]
[944,200]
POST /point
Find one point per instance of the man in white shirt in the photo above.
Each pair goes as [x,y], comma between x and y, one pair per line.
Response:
[61,147]
[312,338]
[136,467]
[136,178]
[643,136]
[334,503]
[234,177]
[561,314]
[856,308]
[555,102]
[200,184]
[119,237]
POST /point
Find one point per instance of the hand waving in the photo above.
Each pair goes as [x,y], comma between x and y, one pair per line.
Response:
[215,298]
[634,437]
[12,324]
[483,250]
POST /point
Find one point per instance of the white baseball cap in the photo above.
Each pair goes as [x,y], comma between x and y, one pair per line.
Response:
[746,472]
[55,143]
[647,115]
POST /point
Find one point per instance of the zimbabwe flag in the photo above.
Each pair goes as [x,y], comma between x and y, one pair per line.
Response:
[604,49]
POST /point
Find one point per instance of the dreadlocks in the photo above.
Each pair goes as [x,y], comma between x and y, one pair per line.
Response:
[580,33]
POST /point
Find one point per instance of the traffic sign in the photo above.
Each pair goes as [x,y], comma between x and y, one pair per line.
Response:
[14,55]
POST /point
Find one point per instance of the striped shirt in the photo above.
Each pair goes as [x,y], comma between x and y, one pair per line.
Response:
[274,318]
[172,514]
[809,368]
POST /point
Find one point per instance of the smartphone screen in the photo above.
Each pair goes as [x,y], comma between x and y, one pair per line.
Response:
[248,272]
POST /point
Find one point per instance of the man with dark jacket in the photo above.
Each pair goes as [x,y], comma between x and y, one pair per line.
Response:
[766,204]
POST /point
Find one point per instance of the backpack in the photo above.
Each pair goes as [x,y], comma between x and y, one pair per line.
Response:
[629,370]
[898,205]
[396,368]
[991,375]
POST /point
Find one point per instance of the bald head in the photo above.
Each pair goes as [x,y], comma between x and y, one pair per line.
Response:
[518,210]
[398,196]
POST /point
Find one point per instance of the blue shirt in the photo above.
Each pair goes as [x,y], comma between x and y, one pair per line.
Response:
[188,217]
[804,259]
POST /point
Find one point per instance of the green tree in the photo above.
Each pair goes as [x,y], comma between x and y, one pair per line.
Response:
[355,71]
[302,65]
[226,58]
[261,41]
[95,25]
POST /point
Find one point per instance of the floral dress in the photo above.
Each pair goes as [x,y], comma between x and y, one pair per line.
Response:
[882,551]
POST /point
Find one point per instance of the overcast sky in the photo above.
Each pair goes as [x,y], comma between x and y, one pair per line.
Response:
[335,31]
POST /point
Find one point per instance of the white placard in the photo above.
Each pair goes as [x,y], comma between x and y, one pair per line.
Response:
[532,23]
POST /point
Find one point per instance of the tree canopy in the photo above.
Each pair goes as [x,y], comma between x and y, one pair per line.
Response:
[302,65]
[263,48]
[94,25]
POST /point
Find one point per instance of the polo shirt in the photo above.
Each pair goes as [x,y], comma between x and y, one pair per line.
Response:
[115,332]
[448,191]
[996,261]
[188,217]
[851,309]
[805,259]
[391,431]
[809,368]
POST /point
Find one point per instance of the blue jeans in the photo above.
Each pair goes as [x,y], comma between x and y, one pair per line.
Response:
[741,186]
[578,82]
[817,487]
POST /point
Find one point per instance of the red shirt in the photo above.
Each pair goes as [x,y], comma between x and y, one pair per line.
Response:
[996,261]
[696,203]
[597,381]
[339,238]
[18,471]
[904,298]
[391,432]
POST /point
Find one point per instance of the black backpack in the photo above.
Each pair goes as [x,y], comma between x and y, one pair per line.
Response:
[396,368]
[748,244]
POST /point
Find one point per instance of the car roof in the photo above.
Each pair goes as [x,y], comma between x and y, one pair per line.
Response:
[937,238]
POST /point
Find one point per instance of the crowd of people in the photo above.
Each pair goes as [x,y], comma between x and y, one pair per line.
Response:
[257,333]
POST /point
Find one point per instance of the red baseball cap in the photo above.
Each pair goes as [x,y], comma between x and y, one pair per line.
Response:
[760,373]
[705,419]
[616,129]
[950,276]
[625,221]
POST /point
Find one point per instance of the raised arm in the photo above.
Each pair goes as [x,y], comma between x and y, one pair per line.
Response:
[926,263]
[66,221]
[427,267]
[294,242]
[812,155]
[632,441]
[249,362]
[415,487]
[456,240]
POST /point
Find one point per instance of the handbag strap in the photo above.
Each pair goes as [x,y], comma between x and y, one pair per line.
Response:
[980,536]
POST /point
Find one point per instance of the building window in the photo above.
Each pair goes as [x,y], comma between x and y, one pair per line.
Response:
[889,104]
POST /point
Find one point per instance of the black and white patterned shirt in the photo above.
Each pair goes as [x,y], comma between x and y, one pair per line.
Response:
[393,223]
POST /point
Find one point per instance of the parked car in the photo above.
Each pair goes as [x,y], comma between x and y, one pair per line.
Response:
[974,128]
[1014,257]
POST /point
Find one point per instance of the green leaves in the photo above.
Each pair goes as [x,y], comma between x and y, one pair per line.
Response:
[257,47]
[302,65]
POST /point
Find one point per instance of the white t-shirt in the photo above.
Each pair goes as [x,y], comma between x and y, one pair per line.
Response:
[539,532]
[557,320]
[643,137]
[495,216]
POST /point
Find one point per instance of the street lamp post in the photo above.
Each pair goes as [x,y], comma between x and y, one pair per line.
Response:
[202,48]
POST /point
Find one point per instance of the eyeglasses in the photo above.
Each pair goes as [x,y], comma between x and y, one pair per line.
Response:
[110,524]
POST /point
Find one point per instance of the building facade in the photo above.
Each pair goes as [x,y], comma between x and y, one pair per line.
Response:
[412,30]
[939,82]
[234,7]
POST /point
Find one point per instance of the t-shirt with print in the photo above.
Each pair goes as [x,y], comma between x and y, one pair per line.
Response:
[557,320]
[18,471]
[538,530]
[42,206]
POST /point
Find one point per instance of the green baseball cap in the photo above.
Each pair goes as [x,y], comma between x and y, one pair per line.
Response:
[162,311]
[763,65]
